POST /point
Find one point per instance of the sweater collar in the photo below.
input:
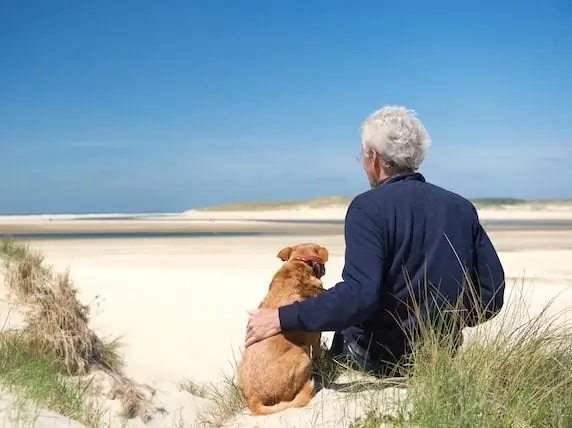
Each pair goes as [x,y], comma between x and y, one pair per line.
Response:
[406,176]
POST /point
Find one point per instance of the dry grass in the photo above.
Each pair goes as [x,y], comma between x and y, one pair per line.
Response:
[226,401]
[196,389]
[57,325]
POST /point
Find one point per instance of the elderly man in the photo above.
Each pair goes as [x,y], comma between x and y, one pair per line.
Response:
[409,244]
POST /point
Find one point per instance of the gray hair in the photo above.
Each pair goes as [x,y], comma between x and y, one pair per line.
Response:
[397,136]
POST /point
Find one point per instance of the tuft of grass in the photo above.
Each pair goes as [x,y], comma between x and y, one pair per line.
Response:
[111,354]
[36,377]
[194,388]
[57,326]
[226,399]
[514,372]
[521,378]
[57,322]
[227,402]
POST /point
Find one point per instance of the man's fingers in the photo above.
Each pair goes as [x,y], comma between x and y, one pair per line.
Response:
[250,339]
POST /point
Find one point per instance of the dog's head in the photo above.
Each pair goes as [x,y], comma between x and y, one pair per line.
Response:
[313,255]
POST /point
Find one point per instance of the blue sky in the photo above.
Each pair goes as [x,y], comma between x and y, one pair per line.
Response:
[123,106]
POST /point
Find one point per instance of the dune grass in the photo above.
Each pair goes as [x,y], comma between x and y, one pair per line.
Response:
[225,397]
[486,386]
[46,359]
[516,371]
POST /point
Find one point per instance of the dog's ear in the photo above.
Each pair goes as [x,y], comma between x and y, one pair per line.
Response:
[323,254]
[284,253]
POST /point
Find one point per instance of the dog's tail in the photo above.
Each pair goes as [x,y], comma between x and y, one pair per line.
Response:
[301,399]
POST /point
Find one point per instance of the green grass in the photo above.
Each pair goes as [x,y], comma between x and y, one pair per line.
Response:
[491,385]
[512,373]
[35,378]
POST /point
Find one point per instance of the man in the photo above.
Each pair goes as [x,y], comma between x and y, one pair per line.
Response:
[409,244]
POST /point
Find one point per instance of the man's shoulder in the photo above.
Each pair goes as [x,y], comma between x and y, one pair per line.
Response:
[364,200]
[449,195]
[385,197]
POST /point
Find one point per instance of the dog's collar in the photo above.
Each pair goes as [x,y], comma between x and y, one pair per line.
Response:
[309,259]
[317,264]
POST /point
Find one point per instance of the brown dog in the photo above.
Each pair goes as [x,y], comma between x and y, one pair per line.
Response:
[276,373]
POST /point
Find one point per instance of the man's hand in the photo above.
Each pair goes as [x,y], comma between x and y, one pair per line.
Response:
[263,323]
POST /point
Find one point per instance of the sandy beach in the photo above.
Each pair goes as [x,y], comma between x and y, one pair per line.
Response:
[302,220]
[180,303]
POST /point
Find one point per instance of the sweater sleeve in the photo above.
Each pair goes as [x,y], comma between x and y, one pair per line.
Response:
[490,275]
[352,300]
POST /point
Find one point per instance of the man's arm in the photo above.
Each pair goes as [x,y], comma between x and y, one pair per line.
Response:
[357,296]
[490,275]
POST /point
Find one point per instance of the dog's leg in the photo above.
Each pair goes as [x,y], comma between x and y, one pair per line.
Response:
[316,347]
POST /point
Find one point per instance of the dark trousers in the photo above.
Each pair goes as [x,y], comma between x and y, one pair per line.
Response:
[352,355]
[359,359]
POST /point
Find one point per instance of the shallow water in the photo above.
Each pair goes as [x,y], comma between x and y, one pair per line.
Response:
[490,225]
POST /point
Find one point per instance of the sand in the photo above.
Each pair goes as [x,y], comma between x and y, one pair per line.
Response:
[180,305]
[244,221]
[532,211]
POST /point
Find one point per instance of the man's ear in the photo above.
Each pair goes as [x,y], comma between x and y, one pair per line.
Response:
[323,254]
[284,253]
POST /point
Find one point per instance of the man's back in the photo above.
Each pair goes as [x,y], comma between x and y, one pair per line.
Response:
[432,242]
[406,241]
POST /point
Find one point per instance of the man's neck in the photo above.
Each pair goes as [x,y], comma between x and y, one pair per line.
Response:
[387,173]
[384,177]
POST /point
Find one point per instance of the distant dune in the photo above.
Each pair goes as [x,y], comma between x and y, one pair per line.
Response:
[343,201]
[318,202]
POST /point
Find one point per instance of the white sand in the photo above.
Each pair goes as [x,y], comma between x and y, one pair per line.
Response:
[532,211]
[517,212]
[180,305]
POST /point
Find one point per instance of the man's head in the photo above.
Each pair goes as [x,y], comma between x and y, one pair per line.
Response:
[393,141]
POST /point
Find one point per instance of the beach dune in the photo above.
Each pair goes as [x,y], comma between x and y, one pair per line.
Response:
[180,305]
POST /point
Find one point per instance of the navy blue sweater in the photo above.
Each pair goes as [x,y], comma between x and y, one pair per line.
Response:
[406,241]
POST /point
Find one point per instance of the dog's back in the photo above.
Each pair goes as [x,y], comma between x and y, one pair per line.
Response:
[275,373]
